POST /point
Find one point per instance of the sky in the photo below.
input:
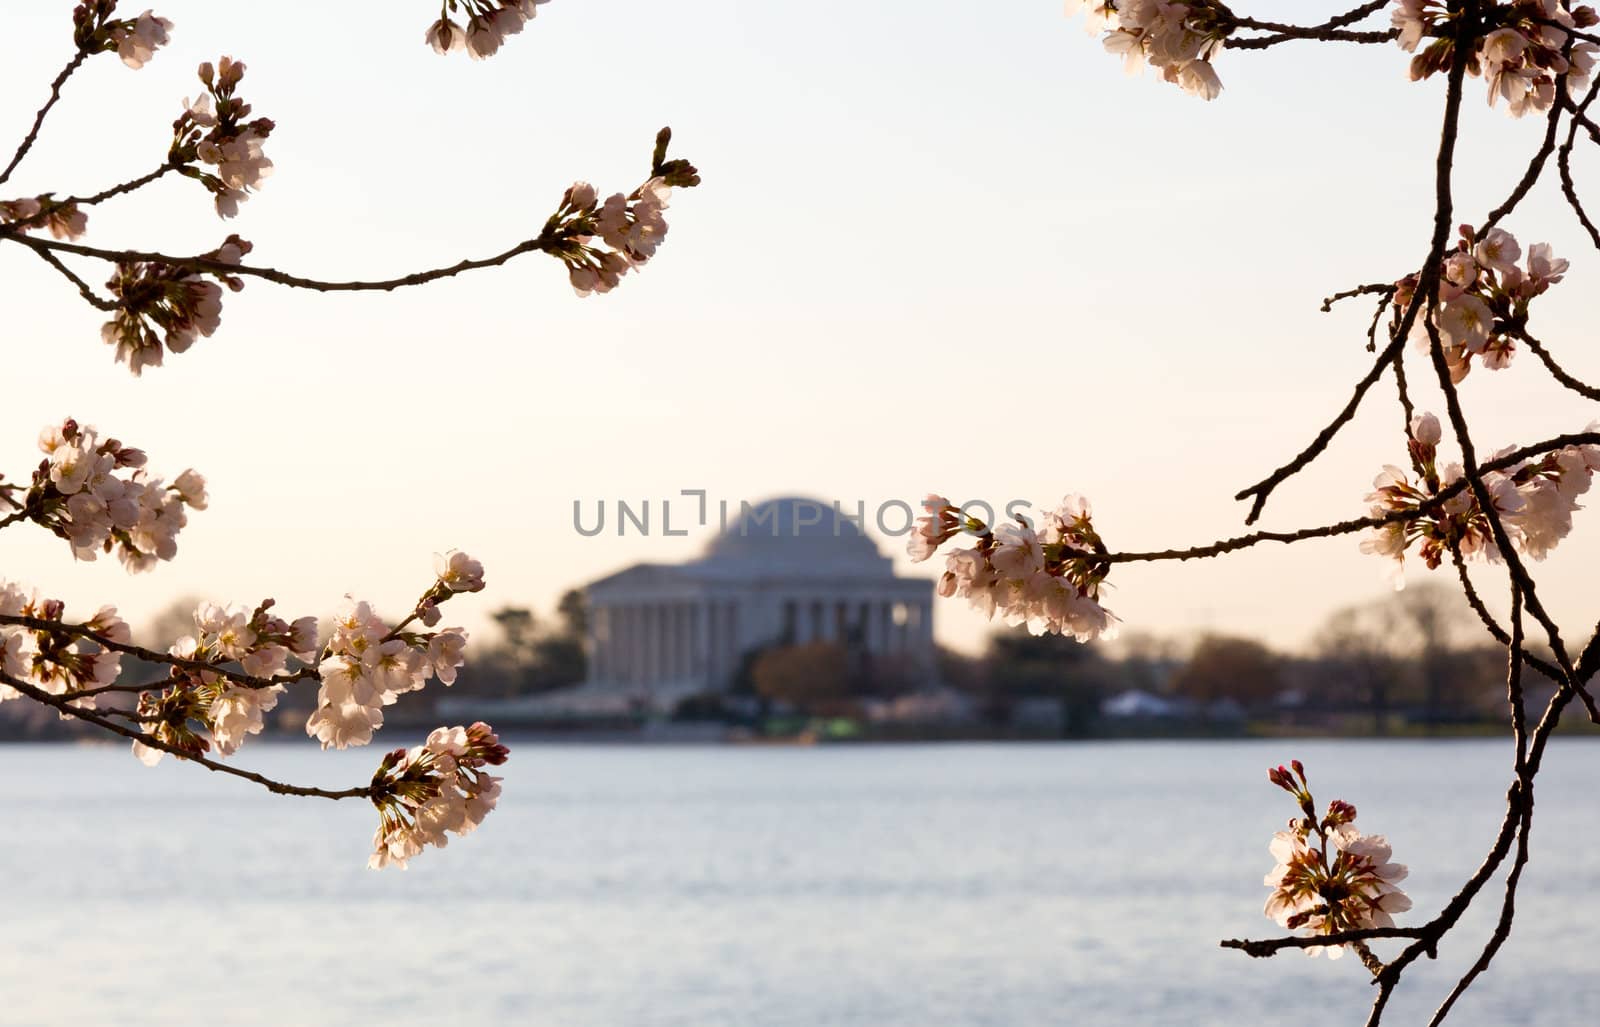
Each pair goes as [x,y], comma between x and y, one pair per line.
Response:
[939,247]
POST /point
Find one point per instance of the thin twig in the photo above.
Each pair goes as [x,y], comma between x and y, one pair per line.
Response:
[38,119]
[89,295]
[1556,370]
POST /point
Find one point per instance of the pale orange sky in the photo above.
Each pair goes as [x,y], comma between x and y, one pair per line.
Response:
[938,247]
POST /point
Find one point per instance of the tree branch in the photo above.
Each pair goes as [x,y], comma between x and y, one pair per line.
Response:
[546,241]
[65,706]
[38,119]
[89,295]
[87,633]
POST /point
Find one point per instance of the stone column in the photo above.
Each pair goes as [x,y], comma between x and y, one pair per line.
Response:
[686,616]
[702,642]
[619,643]
[682,640]
[669,642]
[599,633]
[647,644]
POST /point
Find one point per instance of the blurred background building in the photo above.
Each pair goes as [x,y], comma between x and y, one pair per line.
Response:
[788,572]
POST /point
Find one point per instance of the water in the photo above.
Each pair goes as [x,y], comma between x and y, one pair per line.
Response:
[870,886]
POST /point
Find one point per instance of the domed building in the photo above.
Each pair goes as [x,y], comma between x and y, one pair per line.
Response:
[787,571]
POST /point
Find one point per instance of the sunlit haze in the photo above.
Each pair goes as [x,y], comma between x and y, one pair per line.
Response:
[927,255]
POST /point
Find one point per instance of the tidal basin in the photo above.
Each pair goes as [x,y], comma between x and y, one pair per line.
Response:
[761,886]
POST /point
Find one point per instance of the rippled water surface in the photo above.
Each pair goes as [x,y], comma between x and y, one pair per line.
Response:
[756,887]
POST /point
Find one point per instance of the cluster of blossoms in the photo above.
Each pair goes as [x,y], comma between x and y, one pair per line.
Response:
[1534,499]
[1048,579]
[64,220]
[1344,882]
[430,791]
[631,226]
[489,23]
[1483,298]
[226,710]
[212,130]
[1525,47]
[161,307]
[368,665]
[135,40]
[58,662]
[96,494]
[1177,39]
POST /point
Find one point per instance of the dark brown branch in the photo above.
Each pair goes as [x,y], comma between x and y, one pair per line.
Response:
[1264,948]
[1520,578]
[1496,632]
[1327,32]
[1556,370]
[50,206]
[1264,488]
[1564,170]
[1383,290]
[547,241]
[1347,527]
[1277,38]
[1509,827]
[87,633]
[84,290]
[1502,930]
[92,717]
[38,119]
[1519,717]
[126,187]
[1427,284]
[1535,166]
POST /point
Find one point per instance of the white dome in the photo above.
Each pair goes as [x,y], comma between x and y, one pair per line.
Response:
[798,535]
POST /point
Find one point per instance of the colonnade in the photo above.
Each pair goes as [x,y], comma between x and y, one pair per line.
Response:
[703,639]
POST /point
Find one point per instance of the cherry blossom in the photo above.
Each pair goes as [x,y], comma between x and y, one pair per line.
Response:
[631,226]
[97,495]
[63,220]
[217,144]
[57,662]
[1177,39]
[1046,578]
[1535,500]
[439,788]
[1525,48]
[367,664]
[137,39]
[162,307]
[1483,296]
[489,23]
[202,710]
[1346,881]
[458,572]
